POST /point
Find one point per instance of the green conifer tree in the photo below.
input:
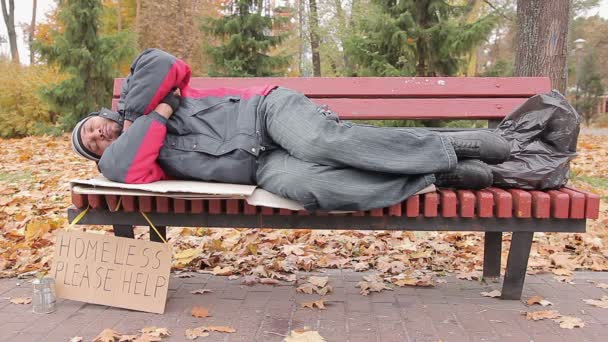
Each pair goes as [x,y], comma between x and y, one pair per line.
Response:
[247,35]
[91,60]
[589,90]
[413,37]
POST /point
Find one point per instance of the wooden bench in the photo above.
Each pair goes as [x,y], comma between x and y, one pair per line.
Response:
[491,210]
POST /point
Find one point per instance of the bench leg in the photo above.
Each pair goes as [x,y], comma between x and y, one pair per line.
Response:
[492,251]
[154,236]
[123,230]
[521,242]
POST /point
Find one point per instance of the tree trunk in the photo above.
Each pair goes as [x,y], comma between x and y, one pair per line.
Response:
[137,16]
[541,47]
[301,14]
[314,38]
[343,29]
[32,32]
[9,20]
[421,43]
[119,16]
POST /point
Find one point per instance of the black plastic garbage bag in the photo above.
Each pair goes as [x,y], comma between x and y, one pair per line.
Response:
[543,133]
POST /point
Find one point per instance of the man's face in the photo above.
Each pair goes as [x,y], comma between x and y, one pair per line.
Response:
[98,133]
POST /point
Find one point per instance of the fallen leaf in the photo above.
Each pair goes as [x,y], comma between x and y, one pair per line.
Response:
[301,335]
[193,334]
[544,314]
[107,335]
[324,290]
[155,331]
[307,288]
[201,291]
[132,338]
[361,266]
[76,339]
[220,328]
[492,294]
[570,322]
[372,283]
[21,300]
[200,312]
[538,300]
[318,303]
[562,272]
[318,281]
[223,271]
[184,257]
[602,285]
[203,331]
[600,303]
[423,281]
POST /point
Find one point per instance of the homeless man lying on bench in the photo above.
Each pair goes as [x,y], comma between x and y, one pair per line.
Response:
[273,137]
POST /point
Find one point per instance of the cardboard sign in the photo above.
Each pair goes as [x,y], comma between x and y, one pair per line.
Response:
[111,270]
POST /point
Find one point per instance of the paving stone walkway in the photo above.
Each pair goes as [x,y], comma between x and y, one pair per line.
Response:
[452,311]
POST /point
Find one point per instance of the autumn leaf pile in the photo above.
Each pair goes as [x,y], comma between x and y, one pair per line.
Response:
[34,194]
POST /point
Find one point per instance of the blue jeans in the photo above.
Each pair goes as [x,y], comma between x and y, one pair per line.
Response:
[328,164]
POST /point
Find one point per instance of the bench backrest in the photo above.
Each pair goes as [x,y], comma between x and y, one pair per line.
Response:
[396,98]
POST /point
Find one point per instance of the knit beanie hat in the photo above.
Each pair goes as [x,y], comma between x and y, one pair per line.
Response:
[77,144]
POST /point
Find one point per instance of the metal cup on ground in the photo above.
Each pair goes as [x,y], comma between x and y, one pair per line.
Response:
[43,298]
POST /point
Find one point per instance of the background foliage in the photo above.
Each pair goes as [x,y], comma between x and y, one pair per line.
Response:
[86,43]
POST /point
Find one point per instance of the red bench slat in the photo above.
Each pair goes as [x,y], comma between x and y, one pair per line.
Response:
[412,206]
[249,209]
[560,204]
[431,201]
[395,210]
[179,205]
[267,211]
[522,203]
[448,203]
[197,206]
[79,200]
[95,201]
[503,201]
[128,203]
[385,86]
[394,109]
[592,203]
[541,204]
[232,206]
[285,212]
[466,199]
[359,213]
[485,203]
[376,212]
[215,206]
[144,203]
[577,203]
[162,204]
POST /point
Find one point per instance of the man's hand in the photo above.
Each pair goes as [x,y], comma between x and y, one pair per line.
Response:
[164,110]
[169,104]
[126,125]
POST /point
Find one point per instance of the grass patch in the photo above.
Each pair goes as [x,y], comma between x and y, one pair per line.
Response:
[15,177]
[598,182]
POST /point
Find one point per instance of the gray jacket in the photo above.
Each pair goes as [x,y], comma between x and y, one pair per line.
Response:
[215,135]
